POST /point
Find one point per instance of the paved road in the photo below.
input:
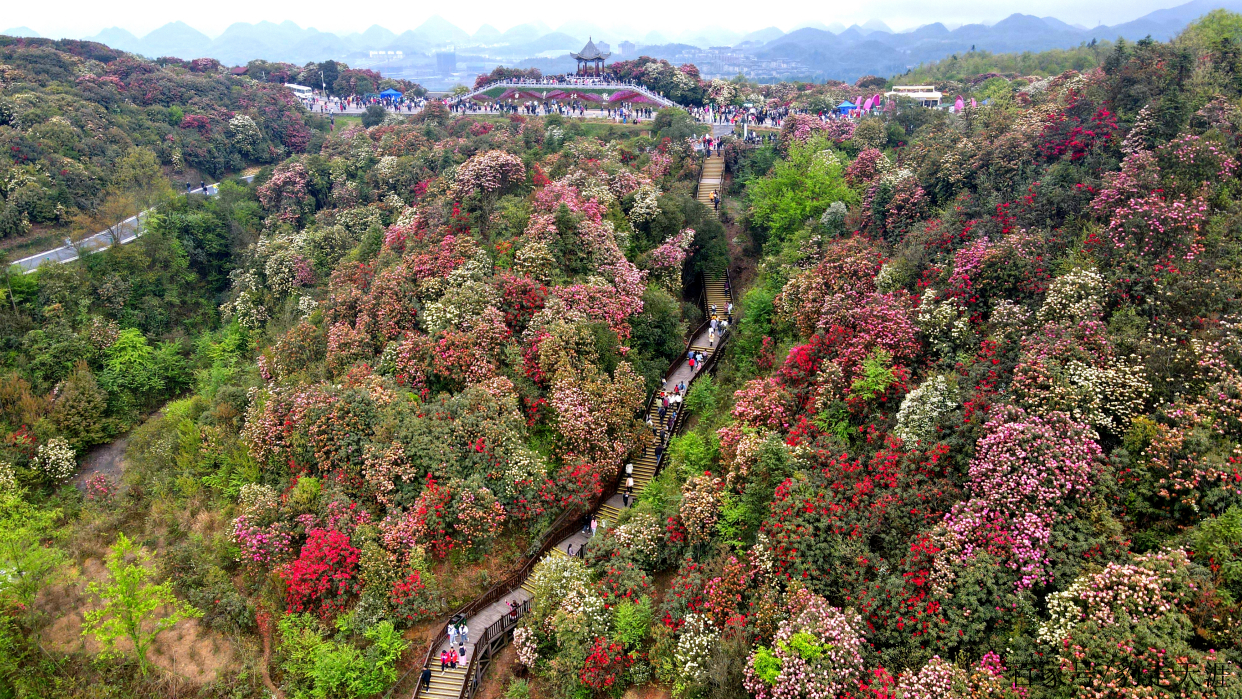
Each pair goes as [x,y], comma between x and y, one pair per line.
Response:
[128,231]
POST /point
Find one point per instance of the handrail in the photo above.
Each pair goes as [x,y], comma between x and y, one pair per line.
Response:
[569,87]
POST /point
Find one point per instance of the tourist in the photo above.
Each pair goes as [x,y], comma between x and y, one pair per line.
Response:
[426,678]
[452,659]
[629,469]
[513,606]
[569,550]
[463,632]
[594,526]
[711,337]
[444,659]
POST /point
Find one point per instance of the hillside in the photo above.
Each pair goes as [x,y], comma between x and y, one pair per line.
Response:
[88,132]
[972,430]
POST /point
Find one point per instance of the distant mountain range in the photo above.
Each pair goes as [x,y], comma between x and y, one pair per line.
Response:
[819,50]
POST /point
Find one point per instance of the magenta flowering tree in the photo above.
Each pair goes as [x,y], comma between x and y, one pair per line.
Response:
[1026,473]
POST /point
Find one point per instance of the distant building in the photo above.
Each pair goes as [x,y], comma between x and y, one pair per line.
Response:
[603,46]
[927,95]
[446,62]
[627,48]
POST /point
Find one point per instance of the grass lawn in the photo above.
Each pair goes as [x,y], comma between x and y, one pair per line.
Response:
[344,121]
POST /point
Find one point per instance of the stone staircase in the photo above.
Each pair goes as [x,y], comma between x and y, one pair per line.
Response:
[711,179]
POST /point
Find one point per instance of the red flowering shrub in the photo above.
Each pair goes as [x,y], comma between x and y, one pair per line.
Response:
[604,665]
[409,599]
[324,577]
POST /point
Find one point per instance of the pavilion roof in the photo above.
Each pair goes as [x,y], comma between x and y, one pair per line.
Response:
[590,52]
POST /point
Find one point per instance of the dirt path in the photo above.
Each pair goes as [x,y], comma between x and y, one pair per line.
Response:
[267,663]
[106,459]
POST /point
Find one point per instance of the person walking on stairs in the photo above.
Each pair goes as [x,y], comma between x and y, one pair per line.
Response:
[463,632]
[426,678]
[443,660]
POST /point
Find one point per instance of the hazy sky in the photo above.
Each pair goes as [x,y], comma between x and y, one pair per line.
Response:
[76,18]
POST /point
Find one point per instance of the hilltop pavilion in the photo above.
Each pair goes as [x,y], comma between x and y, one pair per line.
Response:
[590,55]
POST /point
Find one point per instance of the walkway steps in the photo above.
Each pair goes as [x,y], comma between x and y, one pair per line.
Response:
[711,179]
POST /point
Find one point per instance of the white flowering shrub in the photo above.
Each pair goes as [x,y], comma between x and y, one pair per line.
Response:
[306,305]
[258,500]
[694,648]
[535,260]
[833,218]
[641,535]
[8,479]
[56,459]
[1073,298]
[916,418]
[526,645]
[245,133]
[250,313]
[552,581]
[945,323]
[646,204]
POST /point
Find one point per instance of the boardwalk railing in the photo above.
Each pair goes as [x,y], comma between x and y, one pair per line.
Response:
[569,87]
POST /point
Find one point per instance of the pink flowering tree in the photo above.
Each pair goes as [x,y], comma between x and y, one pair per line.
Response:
[1026,473]
[817,652]
[286,196]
